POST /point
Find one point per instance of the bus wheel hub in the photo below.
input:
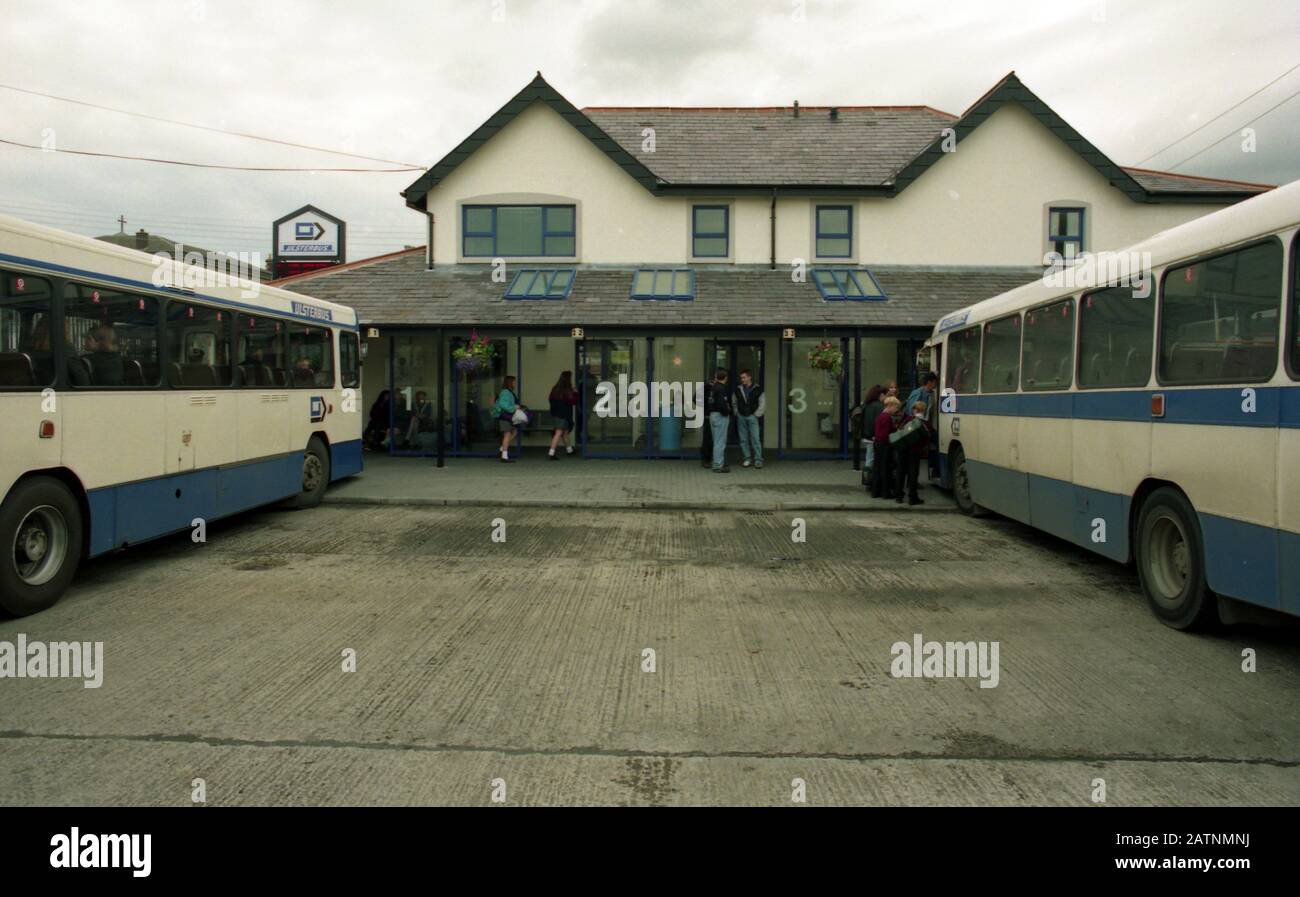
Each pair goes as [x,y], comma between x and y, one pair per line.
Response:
[34,543]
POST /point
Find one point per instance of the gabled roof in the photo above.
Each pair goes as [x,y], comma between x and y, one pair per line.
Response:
[537,90]
[1011,90]
[851,149]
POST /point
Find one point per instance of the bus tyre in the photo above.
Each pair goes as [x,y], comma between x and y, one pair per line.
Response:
[42,536]
[961,485]
[1171,562]
[315,475]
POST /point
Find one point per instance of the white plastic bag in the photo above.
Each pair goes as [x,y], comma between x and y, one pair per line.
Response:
[519,418]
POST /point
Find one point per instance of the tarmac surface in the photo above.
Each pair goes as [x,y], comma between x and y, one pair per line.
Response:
[519,669]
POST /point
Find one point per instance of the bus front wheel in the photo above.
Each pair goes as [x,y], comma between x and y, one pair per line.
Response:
[1171,562]
[961,484]
[315,475]
[42,535]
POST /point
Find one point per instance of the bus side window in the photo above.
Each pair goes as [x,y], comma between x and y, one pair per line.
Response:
[1295,308]
[26,353]
[349,360]
[110,337]
[311,353]
[198,343]
[1048,361]
[1001,367]
[260,352]
[1116,332]
[964,360]
[1219,317]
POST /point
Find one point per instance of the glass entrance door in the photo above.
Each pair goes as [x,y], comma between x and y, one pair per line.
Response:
[734,356]
[605,361]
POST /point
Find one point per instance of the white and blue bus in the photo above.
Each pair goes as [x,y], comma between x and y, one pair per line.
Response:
[130,410]
[1157,424]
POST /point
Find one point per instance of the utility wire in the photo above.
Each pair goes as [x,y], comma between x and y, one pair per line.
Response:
[202,164]
[186,124]
[1217,117]
[1233,132]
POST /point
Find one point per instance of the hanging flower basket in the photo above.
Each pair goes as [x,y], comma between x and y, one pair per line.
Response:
[826,356]
[476,355]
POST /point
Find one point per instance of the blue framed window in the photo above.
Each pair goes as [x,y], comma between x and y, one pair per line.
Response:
[710,231]
[518,231]
[663,283]
[843,283]
[541,283]
[834,237]
[1065,230]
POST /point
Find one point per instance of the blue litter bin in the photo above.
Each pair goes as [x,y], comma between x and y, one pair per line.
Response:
[669,431]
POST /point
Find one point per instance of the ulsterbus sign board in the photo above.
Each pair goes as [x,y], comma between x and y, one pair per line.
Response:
[307,239]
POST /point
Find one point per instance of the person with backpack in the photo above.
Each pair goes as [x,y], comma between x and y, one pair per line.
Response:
[503,409]
[749,403]
[717,405]
[563,399]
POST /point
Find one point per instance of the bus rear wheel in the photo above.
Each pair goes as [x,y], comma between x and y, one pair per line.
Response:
[315,474]
[41,536]
[1171,562]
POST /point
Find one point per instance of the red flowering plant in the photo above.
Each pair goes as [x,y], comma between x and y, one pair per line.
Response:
[475,355]
[826,356]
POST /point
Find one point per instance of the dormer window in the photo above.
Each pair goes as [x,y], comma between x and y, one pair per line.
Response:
[518,231]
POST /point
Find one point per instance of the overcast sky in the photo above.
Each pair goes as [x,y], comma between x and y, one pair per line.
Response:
[409,80]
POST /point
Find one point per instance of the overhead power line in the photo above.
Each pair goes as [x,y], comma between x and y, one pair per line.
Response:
[186,124]
[1234,131]
[204,164]
[1219,116]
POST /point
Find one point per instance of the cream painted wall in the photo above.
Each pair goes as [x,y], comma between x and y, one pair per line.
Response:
[982,205]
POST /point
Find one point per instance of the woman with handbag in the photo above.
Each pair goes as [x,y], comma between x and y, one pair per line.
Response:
[505,410]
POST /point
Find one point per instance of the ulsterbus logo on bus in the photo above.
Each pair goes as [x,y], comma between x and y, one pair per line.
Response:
[1092,269]
[196,270]
[53,660]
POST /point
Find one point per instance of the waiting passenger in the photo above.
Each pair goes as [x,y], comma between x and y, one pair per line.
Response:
[377,433]
[563,399]
[421,417]
[882,470]
[908,453]
[504,410]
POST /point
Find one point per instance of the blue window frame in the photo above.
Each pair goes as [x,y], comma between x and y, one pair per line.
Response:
[834,237]
[845,283]
[516,231]
[663,283]
[710,231]
[541,283]
[1065,230]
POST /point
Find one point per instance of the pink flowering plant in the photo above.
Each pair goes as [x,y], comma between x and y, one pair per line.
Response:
[475,355]
[826,356]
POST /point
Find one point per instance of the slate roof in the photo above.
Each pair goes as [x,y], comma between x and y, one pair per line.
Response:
[399,290]
[865,149]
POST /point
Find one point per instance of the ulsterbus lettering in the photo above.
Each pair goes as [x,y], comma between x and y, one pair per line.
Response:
[311,311]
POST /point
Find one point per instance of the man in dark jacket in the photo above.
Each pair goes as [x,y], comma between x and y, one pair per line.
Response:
[749,404]
[717,403]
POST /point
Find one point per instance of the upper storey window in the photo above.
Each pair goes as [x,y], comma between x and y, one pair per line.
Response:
[834,235]
[518,231]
